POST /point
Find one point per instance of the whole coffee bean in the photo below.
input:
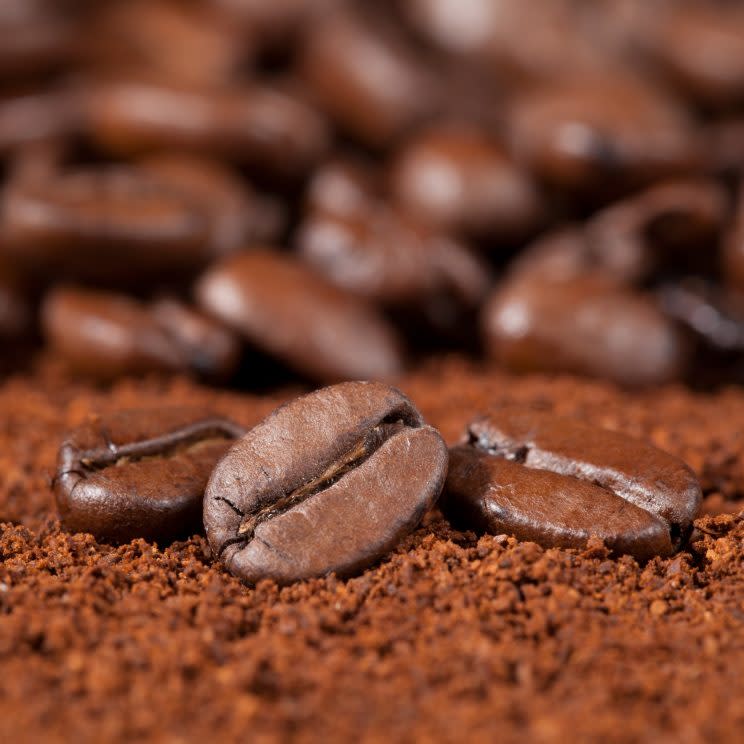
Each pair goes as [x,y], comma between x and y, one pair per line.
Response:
[341,188]
[140,473]
[261,127]
[105,335]
[295,315]
[701,47]
[183,42]
[602,133]
[329,482]
[587,325]
[369,82]
[457,179]
[110,223]
[237,216]
[557,481]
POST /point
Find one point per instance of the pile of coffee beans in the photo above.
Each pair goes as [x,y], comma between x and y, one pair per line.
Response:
[244,190]
[333,480]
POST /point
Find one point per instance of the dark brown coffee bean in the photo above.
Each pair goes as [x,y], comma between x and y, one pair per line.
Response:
[457,179]
[341,188]
[104,223]
[579,134]
[140,473]
[183,42]
[732,257]
[295,315]
[587,325]
[383,255]
[259,126]
[106,335]
[369,83]
[237,216]
[557,481]
[558,255]
[15,311]
[701,47]
[329,482]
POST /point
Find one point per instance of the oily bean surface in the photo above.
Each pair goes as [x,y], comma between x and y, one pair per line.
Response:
[140,473]
[621,466]
[328,482]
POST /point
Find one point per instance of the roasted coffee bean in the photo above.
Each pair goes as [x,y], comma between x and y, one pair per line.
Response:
[261,127]
[140,473]
[33,116]
[103,223]
[237,216]
[732,257]
[558,482]
[383,255]
[341,188]
[370,83]
[183,42]
[458,179]
[560,254]
[701,47]
[587,325]
[105,335]
[329,482]
[285,309]
[602,133]
[15,311]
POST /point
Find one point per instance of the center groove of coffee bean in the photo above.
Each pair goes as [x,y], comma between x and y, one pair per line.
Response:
[516,454]
[362,450]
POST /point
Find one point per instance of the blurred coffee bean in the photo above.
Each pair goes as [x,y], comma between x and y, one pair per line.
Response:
[35,36]
[669,228]
[724,141]
[255,125]
[183,42]
[561,253]
[237,215]
[34,116]
[371,84]
[701,47]
[602,134]
[458,179]
[15,310]
[286,310]
[732,256]
[342,188]
[103,223]
[381,254]
[586,325]
[106,335]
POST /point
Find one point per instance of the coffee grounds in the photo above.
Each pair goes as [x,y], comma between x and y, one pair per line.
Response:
[454,637]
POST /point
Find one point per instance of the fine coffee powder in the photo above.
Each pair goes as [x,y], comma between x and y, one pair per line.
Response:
[451,636]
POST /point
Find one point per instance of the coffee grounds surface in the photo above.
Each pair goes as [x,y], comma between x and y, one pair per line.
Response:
[453,637]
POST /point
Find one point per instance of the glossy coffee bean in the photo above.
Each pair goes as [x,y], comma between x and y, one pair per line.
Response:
[329,482]
[579,134]
[295,315]
[106,335]
[140,473]
[667,228]
[700,46]
[237,216]
[383,255]
[259,126]
[341,188]
[108,222]
[371,85]
[587,325]
[182,42]
[558,482]
[458,179]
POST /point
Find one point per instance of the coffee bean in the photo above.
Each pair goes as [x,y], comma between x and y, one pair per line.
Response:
[586,325]
[237,216]
[458,179]
[341,188]
[285,309]
[558,482]
[105,335]
[329,482]
[15,311]
[732,255]
[140,473]
[602,134]
[369,82]
[261,127]
[115,224]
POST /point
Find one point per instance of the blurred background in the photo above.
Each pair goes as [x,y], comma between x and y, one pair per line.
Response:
[249,191]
